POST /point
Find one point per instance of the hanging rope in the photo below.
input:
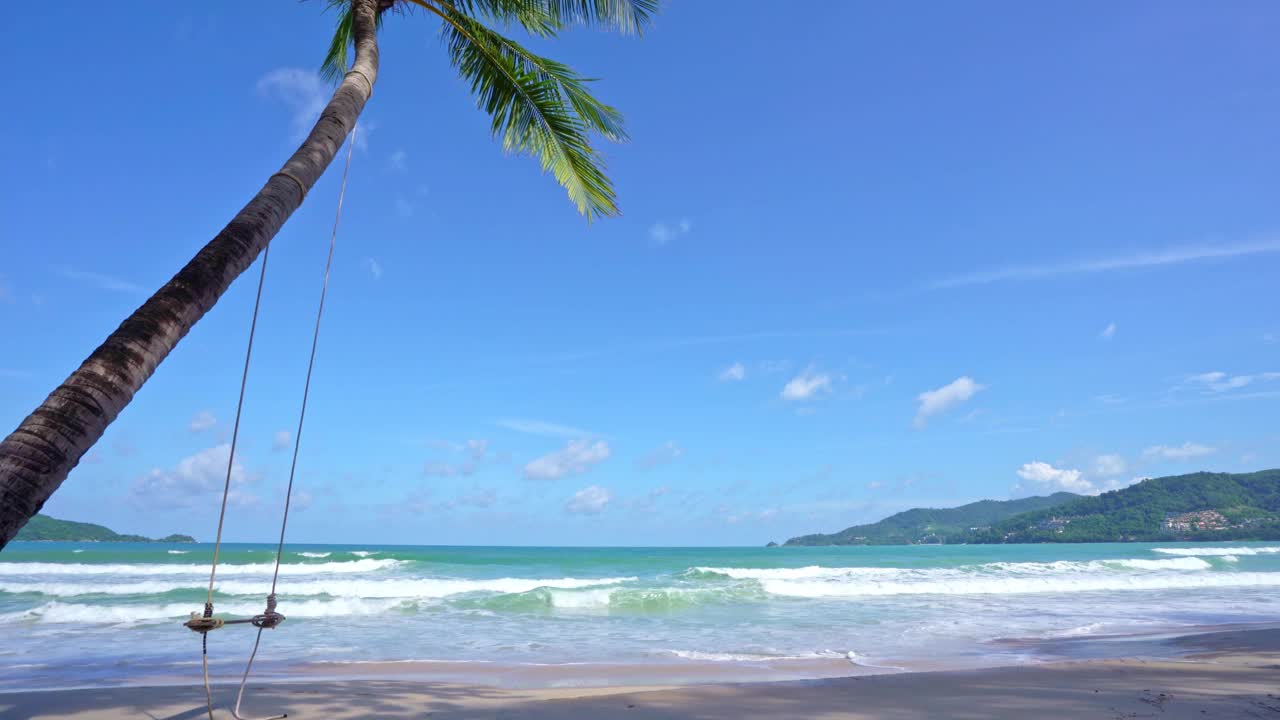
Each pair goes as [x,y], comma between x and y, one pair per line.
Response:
[297,440]
[268,619]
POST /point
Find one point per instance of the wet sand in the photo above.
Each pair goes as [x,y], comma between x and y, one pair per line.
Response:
[1221,675]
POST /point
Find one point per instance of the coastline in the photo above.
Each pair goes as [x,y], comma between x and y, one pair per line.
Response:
[1227,673]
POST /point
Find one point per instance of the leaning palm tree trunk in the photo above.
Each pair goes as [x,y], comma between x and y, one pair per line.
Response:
[36,457]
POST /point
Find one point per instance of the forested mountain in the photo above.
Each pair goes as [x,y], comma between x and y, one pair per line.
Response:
[1199,506]
[43,527]
[934,525]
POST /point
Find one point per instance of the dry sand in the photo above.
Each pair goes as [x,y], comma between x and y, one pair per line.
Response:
[1225,675]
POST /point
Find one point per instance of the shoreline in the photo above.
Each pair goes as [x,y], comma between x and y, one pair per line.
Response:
[1225,673]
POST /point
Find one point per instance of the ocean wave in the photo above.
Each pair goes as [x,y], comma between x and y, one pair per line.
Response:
[755,657]
[633,600]
[119,569]
[178,552]
[959,584]
[82,614]
[315,554]
[818,572]
[1217,551]
[390,588]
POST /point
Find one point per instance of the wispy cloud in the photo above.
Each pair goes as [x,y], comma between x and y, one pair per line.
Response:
[590,500]
[662,233]
[944,398]
[404,208]
[546,429]
[281,440]
[1178,453]
[474,450]
[303,91]
[667,452]
[733,373]
[576,458]
[806,385]
[399,160]
[1108,332]
[203,420]
[100,281]
[1218,381]
[374,267]
[1149,259]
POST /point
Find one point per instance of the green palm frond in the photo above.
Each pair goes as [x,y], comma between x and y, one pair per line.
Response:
[539,107]
[544,17]
[335,61]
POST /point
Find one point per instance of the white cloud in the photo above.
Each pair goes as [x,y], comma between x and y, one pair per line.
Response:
[1173,256]
[1109,465]
[667,452]
[1183,452]
[540,427]
[194,481]
[399,160]
[590,500]
[475,451]
[282,440]
[1108,332]
[661,233]
[303,91]
[202,421]
[806,385]
[733,373]
[1047,478]
[933,402]
[374,267]
[576,458]
[1219,381]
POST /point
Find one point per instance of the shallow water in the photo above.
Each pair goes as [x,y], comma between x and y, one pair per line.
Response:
[75,614]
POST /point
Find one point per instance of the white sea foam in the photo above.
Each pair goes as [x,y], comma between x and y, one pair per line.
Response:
[178,552]
[60,612]
[338,587]
[12,569]
[591,599]
[364,553]
[1216,551]
[817,572]
[315,554]
[759,657]
[959,584]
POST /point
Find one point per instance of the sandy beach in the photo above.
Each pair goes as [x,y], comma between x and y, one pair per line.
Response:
[1214,675]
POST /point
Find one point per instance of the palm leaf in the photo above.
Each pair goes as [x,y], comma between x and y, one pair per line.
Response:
[544,17]
[538,107]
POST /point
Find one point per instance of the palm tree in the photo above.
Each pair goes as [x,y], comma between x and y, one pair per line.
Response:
[538,107]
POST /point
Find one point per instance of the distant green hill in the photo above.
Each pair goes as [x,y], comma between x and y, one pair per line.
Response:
[930,525]
[1199,506]
[43,527]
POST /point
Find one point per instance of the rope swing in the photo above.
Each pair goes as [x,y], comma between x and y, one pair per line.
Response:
[269,618]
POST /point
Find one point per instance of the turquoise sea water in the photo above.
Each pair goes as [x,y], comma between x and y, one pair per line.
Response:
[75,614]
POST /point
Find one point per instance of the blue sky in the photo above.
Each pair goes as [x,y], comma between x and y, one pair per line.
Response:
[881,259]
